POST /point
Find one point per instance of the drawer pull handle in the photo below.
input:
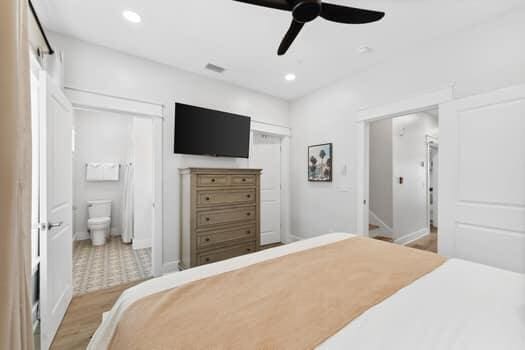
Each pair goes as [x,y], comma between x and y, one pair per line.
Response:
[248,214]
[207,219]
[248,249]
[248,196]
[207,198]
[248,232]
[212,180]
[207,239]
[207,259]
[243,180]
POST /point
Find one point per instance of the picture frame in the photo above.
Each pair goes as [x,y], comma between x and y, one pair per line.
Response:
[320,163]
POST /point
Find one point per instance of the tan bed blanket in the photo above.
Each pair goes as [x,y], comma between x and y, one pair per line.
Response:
[292,302]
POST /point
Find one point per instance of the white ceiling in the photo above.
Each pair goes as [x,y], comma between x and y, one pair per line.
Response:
[244,39]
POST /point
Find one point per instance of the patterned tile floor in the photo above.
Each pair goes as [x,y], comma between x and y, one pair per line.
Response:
[109,265]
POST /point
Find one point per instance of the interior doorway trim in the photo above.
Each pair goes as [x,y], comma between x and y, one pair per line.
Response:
[115,104]
[411,105]
[431,143]
[90,100]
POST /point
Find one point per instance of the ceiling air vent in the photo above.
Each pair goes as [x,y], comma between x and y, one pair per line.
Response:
[215,68]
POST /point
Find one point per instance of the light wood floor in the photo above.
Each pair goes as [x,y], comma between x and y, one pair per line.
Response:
[84,316]
[428,243]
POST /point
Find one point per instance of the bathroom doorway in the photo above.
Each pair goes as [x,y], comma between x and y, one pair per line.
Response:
[113,199]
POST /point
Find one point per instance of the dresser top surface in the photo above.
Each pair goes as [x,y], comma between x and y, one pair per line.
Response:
[219,170]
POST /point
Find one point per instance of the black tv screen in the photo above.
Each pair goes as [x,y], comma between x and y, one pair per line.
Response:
[205,131]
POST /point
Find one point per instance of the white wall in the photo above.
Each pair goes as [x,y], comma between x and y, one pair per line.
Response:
[100,69]
[381,171]
[143,182]
[99,137]
[409,151]
[481,58]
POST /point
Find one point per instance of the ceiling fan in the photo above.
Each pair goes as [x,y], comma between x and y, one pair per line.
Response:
[304,11]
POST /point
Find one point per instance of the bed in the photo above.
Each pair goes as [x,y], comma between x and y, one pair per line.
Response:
[458,305]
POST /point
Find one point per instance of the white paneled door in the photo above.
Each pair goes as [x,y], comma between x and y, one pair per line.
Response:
[56,238]
[482,179]
[267,156]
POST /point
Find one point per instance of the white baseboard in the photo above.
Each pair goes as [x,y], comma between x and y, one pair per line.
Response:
[385,229]
[141,243]
[292,238]
[171,266]
[115,232]
[81,236]
[411,237]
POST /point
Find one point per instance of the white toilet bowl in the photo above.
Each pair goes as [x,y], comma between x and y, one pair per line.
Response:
[99,220]
[99,230]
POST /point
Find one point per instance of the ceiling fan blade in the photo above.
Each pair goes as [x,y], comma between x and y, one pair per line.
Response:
[290,36]
[350,15]
[274,4]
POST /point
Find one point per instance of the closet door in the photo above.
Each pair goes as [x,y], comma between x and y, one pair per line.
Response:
[482,179]
[267,156]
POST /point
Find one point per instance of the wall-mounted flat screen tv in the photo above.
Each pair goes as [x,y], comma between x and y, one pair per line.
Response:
[205,131]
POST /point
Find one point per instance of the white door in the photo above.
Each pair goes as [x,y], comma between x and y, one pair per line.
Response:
[35,163]
[143,182]
[267,156]
[434,184]
[56,238]
[482,179]
[156,249]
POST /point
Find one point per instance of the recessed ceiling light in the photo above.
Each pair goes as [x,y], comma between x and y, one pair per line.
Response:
[131,16]
[215,68]
[290,77]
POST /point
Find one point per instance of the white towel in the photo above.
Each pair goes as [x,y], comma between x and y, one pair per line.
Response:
[94,172]
[111,171]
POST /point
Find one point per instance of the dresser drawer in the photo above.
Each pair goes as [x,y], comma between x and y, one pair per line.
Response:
[226,253]
[212,180]
[243,180]
[210,238]
[225,197]
[226,216]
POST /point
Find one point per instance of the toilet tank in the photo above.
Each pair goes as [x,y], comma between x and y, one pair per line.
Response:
[99,209]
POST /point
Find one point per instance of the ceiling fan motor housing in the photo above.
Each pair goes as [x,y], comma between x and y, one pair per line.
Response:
[306,10]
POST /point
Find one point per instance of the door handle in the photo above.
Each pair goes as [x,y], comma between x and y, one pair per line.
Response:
[52,225]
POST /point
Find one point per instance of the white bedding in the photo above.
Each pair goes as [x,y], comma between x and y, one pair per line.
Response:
[460,305]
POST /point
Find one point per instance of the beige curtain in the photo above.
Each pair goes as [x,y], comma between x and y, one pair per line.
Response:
[15,180]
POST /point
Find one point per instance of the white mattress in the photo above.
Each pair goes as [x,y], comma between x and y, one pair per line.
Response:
[460,305]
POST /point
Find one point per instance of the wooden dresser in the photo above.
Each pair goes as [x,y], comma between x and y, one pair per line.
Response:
[220,214]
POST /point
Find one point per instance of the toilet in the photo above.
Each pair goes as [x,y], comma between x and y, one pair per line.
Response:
[99,221]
